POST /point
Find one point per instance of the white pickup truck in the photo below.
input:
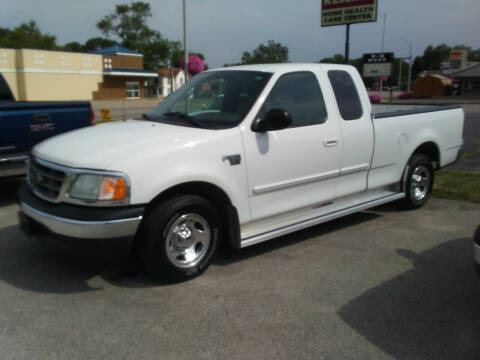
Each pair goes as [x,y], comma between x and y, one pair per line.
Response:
[239,155]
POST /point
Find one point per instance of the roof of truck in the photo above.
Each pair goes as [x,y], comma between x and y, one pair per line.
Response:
[285,67]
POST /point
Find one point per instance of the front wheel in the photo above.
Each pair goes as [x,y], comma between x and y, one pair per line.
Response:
[419,182]
[179,238]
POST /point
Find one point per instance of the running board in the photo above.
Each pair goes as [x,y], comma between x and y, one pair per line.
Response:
[318,220]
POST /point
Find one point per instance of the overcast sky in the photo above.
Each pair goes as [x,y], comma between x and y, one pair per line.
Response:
[223,29]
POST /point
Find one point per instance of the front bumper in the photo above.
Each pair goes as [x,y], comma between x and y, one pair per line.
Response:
[476,250]
[13,165]
[77,222]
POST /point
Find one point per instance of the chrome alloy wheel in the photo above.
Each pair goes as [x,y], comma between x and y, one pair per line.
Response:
[187,240]
[420,183]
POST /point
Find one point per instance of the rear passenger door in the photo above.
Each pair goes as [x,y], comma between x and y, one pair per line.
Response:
[296,167]
[357,130]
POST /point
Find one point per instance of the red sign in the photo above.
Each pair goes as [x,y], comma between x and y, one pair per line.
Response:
[341,12]
[338,4]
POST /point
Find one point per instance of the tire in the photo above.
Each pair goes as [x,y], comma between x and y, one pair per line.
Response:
[179,238]
[419,184]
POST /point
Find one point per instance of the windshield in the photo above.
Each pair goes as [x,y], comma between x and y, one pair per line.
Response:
[212,100]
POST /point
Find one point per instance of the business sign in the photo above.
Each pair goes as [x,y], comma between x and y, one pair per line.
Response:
[378,64]
[458,58]
[342,12]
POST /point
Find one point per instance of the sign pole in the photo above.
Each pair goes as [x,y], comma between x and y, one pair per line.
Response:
[347,45]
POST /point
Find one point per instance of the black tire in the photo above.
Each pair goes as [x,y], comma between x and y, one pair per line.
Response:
[417,192]
[162,239]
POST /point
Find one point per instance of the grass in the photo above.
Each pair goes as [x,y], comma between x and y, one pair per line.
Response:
[457,185]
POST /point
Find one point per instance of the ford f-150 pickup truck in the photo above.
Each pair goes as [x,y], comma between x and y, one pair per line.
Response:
[24,124]
[238,155]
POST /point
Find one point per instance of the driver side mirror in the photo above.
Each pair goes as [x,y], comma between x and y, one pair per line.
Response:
[275,119]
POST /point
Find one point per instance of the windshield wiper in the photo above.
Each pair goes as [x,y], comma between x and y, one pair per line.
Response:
[147,117]
[191,119]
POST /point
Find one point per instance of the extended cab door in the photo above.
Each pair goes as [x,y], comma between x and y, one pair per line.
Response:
[354,111]
[296,167]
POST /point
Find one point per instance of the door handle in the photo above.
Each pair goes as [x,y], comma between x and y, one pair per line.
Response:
[330,142]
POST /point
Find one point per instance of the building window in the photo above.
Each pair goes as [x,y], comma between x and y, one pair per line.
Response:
[133,89]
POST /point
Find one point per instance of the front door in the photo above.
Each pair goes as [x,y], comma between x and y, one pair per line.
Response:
[296,167]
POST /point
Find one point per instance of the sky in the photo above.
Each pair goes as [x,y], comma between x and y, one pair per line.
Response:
[223,29]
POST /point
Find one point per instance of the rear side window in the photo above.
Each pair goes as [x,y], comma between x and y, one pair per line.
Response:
[346,94]
[300,95]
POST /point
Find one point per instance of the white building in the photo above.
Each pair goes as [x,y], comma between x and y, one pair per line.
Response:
[169,80]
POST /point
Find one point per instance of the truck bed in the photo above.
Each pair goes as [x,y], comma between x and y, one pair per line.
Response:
[390,110]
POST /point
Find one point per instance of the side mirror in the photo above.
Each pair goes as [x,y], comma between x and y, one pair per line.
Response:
[275,119]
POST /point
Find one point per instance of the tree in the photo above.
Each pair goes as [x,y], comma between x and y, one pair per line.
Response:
[177,54]
[27,35]
[335,59]
[73,46]
[265,54]
[155,51]
[129,24]
[97,43]
[434,56]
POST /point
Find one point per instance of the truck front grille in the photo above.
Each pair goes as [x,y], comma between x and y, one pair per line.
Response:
[45,181]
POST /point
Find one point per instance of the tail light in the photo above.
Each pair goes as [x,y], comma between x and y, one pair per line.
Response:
[92,117]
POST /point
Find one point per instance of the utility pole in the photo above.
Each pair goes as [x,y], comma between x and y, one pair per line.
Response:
[347,45]
[399,74]
[185,40]
[383,46]
[410,60]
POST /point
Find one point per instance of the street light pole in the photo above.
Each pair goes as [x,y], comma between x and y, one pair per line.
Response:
[185,40]
[410,60]
[383,46]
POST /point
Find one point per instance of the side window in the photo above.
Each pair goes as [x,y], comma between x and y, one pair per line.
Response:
[346,94]
[300,95]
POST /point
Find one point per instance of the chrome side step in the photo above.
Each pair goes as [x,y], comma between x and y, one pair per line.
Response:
[318,220]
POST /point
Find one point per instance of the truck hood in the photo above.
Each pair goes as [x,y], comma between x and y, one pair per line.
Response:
[99,147]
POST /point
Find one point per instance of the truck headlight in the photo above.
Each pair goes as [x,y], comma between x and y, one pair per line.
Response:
[92,188]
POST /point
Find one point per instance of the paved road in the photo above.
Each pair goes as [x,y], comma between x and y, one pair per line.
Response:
[376,285]
[471,134]
[123,110]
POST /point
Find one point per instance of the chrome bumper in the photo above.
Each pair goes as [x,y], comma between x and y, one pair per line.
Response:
[13,165]
[476,254]
[83,229]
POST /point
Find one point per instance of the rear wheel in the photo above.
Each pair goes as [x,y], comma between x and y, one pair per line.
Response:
[419,183]
[179,238]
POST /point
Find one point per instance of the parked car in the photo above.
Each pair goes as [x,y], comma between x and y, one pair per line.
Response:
[24,124]
[290,146]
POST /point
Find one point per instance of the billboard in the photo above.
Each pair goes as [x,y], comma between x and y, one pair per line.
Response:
[378,64]
[342,12]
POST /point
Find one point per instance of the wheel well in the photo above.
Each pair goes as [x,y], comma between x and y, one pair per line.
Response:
[218,198]
[430,149]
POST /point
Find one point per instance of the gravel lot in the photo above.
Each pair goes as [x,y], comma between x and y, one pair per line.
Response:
[375,285]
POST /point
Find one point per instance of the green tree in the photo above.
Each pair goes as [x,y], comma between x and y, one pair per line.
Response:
[73,46]
[335,59]
[129,24]
[97,43]
[177,54]
[434,56]
[266,54]
[27,35]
